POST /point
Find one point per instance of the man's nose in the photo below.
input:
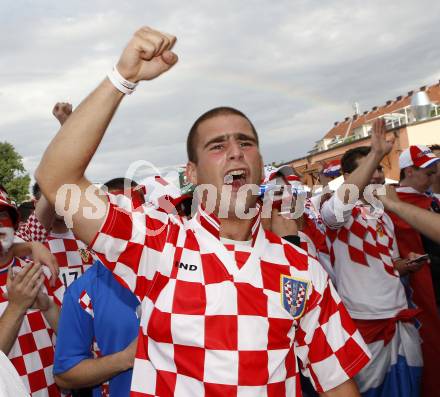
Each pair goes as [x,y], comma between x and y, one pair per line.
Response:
[235,150]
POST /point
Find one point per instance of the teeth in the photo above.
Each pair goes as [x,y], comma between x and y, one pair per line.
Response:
[229,177]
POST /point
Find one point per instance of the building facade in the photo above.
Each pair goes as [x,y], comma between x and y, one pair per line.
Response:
[401,121]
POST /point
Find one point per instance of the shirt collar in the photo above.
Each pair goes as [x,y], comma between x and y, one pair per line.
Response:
[407,189]
[5,267]
[211,222]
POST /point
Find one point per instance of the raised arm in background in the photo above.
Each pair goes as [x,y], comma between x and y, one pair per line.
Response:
[361,176]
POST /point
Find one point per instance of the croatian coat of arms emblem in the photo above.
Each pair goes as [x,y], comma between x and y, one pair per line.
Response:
[294,295]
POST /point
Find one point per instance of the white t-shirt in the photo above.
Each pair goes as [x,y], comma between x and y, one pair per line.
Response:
[10,382]
[362,248]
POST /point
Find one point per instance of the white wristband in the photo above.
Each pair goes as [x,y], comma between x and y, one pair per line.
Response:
[125,86]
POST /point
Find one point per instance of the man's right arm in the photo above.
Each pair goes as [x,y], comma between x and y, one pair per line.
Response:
[74,366]
[336,211]
[146,56]
[361,176]
[69,153]
[94,371]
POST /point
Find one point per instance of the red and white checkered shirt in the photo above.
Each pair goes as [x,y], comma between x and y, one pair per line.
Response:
[362,248]
[209,327]
[307,245]
[240,249]
[33,351]
[31,230]
[315,229]
[72,255]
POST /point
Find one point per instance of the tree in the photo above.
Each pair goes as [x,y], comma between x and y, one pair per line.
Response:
[13,175]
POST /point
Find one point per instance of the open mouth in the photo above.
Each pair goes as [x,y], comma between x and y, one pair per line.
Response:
[235,178]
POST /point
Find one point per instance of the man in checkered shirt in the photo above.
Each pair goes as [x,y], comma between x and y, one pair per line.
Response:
[29,310]
[210,326]
[366,261]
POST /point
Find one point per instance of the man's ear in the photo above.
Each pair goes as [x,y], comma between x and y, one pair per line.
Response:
[191,173]
[408,172]
[345,175]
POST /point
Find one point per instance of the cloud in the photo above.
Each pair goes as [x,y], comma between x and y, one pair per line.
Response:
[293,67]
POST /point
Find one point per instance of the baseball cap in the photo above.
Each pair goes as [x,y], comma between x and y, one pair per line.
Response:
[286,171]
[5,201]
[288,174]
[417,156]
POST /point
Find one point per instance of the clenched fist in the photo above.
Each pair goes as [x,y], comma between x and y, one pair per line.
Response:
[147,55]
[62,111]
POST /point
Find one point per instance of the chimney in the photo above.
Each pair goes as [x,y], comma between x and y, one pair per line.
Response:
[355,116]
[366,112]
[389,103]
[374,108]
[423,88]
[410,93]
[347,118]
[336,123]
[399,98]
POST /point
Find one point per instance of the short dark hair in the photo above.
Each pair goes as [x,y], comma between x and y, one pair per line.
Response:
[25,210]
[36,191]
[219,111]
[119,183]
[402,175]
[434,147]
[350,157]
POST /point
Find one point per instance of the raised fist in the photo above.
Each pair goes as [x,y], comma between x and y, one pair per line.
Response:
[62,111]
[147,55]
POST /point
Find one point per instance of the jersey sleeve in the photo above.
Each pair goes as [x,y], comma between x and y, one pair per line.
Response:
[31,230]
[328,344]
[130,241]
[75,335]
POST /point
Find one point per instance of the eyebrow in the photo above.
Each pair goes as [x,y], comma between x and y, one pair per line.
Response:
[239,136]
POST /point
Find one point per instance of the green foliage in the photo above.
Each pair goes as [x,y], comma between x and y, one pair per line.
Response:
[13,175]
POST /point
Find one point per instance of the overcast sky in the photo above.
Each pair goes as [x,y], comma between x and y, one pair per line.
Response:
[294,67]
